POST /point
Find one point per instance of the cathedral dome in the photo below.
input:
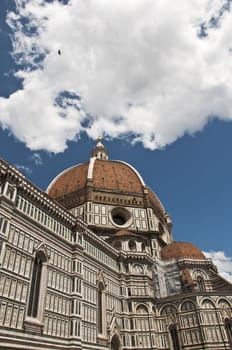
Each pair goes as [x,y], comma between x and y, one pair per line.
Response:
[102,181]
[105,175]
[69,181]
[181,250]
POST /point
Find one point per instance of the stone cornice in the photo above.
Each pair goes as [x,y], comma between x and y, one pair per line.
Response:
[190,263]
[90,236]
[30,191]
[8,170]
[136,256]
[184,296]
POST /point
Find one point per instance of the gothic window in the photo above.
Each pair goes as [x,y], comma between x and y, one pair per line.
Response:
[115,343]
[174,337]
[100,307]
[228,327]
[36,284]
[201,283]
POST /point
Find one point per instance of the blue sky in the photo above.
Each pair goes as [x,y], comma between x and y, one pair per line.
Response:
[160,94]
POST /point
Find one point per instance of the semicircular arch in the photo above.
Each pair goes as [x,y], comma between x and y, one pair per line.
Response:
[223,302]
[207,304]
[137,269]
[187,305]
[199,272]
[141,309]
[169,309]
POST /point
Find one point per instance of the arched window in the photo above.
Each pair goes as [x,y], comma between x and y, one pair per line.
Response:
[187,306]
[186,280]
[100,307]
[137,269]
[208,304]
[223,303]
[36,284]
[201,283]
[228,327]
[143,247]
[141,309]
[115,343]
[174,337]
[168,310]
[132,245]
[117,245]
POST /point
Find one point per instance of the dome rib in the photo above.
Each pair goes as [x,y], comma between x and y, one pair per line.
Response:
[69,181]
[115,175]
[77,183]
[134,170]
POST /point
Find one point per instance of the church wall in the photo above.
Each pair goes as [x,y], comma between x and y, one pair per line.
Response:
[199,321]
[89,292]
[26,233]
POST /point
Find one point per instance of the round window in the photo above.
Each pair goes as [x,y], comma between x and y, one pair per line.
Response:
[121,217]
[117,245]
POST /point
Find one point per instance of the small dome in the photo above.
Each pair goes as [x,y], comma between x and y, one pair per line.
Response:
[180,250]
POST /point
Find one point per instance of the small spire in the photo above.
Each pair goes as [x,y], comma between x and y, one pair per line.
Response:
[100,151]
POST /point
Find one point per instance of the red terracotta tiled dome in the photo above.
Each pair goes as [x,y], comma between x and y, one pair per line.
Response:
[107,175]
[179,250]
[71,180]
[102,180]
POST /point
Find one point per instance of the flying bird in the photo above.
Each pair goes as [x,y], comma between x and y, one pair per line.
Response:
[59,52]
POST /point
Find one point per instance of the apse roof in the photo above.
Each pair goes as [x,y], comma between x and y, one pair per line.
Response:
[179,250]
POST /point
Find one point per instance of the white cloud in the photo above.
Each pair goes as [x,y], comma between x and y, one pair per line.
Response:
[36,158]
[223,263]
[23,168]
[140,68]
